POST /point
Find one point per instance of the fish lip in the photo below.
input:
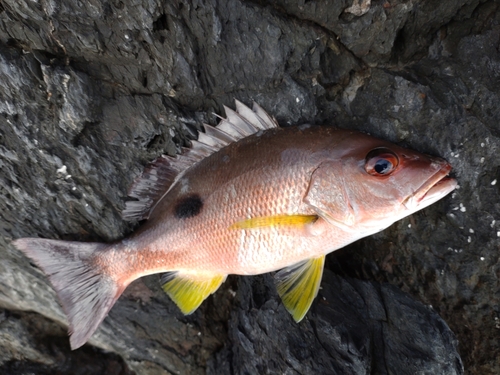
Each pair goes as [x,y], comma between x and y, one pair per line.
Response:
[436,187]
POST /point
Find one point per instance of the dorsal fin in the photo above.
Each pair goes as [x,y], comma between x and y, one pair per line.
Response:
[161,174]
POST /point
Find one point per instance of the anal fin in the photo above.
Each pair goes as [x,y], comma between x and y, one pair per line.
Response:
[188,291]
[298,285]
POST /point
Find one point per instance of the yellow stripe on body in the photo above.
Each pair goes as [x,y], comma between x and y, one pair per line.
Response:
[275,221]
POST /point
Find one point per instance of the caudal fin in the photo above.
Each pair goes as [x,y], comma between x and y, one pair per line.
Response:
[85,293]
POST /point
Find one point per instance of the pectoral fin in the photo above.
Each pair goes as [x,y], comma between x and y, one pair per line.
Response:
[298,285]
[188,291]
[275,221]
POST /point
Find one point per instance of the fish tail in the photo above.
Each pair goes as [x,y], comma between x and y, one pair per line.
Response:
[85,292]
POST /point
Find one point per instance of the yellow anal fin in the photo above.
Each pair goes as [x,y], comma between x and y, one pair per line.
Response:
[298,285]
[275,221]
[188,290]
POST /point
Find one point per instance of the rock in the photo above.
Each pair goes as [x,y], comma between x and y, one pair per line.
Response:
[92,91]
[356,327]
[30,343]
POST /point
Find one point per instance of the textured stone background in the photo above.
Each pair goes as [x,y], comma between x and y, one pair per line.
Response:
[90,91]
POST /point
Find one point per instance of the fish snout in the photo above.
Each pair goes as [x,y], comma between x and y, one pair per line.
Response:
[434,188]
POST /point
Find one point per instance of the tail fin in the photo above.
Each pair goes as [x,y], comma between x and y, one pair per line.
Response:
[85,293]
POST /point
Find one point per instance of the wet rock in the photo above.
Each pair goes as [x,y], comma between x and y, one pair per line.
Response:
[30,343]
[356,327]
[92,91]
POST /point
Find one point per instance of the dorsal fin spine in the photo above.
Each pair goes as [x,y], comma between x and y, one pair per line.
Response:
[161,174]
[268,120]
[211,141]
[203,148]
[250,115]
[240,122]
[219,134]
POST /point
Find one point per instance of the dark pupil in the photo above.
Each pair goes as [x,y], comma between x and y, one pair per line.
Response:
[382,166]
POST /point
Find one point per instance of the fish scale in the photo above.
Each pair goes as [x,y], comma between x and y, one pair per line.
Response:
[247,198]
[264,202]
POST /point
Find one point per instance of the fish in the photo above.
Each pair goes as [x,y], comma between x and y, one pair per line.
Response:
[247,197]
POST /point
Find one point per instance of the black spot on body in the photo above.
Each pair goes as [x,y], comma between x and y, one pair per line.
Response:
[188,207]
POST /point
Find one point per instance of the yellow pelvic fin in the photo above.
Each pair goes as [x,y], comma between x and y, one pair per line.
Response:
[188,291]
[275,221]
[298,285]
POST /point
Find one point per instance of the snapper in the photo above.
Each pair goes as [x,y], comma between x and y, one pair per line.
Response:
[247,198]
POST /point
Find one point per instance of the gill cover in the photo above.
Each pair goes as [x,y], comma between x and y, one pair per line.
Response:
[327,195]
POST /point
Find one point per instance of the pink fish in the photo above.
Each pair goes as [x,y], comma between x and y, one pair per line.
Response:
[247,198]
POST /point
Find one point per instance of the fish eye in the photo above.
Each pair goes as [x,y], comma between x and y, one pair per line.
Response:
[381,162]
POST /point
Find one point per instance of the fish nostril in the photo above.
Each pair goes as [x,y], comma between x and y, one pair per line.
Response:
[410,157]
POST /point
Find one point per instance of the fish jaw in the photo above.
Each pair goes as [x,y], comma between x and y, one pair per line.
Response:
[436,187]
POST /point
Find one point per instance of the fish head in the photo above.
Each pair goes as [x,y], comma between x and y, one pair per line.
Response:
[376,183]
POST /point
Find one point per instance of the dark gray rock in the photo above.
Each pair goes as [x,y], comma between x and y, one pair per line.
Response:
[91,91]
[355,327]
[32,344]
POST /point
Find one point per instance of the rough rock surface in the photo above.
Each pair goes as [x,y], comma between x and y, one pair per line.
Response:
[355,327]
[93,90]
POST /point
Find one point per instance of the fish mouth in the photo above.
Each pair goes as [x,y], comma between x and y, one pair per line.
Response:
[432,190]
